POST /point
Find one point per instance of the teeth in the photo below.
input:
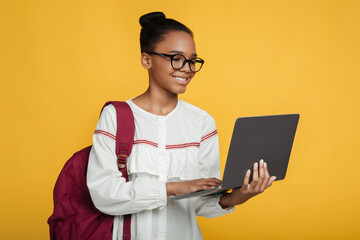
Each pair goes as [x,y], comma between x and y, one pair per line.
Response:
[179,78]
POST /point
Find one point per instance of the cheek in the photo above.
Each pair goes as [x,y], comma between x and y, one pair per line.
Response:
[162,75]
[166,72]
[162,68]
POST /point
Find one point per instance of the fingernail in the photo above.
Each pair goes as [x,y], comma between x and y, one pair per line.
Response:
[265,164]
[261,161]
[248,172]
[274,178]
[256,165]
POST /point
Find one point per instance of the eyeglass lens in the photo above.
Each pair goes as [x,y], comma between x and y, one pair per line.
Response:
[178,62]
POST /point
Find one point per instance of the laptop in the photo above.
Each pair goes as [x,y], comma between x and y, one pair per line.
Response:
[255,138]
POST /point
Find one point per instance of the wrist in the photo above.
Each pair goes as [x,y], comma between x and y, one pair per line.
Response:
[226,201]
[170,189]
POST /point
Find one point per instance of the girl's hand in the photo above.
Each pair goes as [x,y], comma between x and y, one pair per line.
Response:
[261,180]
[185,187]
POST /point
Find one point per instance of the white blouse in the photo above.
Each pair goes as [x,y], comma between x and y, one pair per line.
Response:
[182,145]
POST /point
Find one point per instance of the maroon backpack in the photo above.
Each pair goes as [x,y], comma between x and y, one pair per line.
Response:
[75,217]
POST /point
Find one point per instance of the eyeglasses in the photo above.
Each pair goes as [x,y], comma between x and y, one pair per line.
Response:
[178,61]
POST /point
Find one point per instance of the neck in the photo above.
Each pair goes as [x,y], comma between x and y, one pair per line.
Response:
[157,101]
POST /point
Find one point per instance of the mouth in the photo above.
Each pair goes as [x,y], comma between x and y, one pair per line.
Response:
[181,79]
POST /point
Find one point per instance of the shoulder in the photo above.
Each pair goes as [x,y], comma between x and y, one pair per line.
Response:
[108,112]
[107,120]
[109,109]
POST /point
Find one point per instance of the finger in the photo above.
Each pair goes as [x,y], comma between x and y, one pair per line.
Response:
[267,178]
[196,188]
[210,182]
[205,187]
[272,179]
[213,180]
[255,176]
[202,184]
[247,177]
[261,176]
[216,180]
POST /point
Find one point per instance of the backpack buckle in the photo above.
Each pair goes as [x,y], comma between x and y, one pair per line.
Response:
[122,160]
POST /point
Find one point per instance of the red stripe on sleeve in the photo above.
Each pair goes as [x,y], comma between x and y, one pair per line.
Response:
[105,134]
[207,136]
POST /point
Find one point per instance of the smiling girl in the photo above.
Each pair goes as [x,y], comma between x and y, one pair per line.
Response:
[175,151]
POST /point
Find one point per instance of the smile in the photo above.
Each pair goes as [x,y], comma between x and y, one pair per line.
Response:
[180,78]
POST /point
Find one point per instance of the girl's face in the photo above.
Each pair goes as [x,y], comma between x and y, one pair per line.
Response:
[162,74]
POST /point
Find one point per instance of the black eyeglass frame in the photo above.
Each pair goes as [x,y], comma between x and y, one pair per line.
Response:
[171,56]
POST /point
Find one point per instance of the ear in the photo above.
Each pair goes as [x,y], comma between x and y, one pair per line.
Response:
[146,60]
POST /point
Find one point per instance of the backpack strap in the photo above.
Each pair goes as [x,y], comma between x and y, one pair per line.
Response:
[124,143]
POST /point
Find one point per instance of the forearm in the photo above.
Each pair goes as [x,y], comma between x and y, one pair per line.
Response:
[115,198]
[227,200]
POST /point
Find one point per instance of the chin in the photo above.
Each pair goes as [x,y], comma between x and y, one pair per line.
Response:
[179,91]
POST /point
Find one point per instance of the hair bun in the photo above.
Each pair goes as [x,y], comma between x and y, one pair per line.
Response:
[146,19]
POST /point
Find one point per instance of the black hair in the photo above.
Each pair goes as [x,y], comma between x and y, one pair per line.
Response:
[154,28]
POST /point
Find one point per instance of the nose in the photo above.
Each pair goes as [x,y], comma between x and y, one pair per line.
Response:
[186,67]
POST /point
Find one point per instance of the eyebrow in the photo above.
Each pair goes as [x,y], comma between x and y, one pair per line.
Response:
[174,51]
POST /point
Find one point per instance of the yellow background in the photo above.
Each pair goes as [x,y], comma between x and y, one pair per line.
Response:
[61,60]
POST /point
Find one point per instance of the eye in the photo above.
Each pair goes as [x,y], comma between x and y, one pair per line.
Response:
[178,58]
[195,61]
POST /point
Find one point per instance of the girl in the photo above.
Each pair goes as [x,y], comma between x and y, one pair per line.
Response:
[176,148]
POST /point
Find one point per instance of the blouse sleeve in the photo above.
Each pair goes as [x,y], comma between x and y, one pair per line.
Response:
[209,159]
[109,191]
